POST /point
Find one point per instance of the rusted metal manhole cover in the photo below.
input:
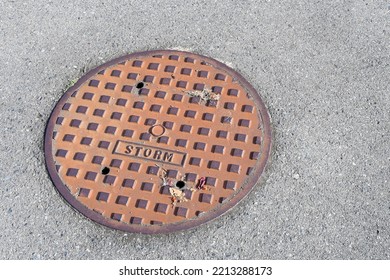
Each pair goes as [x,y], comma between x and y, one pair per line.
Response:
[157,141]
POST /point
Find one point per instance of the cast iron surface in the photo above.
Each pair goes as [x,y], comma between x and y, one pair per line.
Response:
[133,135]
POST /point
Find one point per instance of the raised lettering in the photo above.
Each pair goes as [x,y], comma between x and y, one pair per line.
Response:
[168,156]
[138,149]
[157,154]
[147,152]
[129,148]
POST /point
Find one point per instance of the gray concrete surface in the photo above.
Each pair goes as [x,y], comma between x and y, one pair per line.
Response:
[322,68]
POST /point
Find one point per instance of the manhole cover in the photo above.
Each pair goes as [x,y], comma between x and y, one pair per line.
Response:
[157,141]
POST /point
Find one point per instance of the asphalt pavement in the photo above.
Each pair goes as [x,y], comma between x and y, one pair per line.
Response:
[322,69]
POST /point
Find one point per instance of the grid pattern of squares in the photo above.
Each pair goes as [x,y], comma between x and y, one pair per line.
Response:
[222,138]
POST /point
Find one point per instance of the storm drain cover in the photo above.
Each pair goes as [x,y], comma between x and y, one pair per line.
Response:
[157,141]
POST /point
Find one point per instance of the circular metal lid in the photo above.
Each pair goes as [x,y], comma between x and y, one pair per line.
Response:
[157,141]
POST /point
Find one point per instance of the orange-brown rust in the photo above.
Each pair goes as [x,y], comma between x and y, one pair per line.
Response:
[159,112]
